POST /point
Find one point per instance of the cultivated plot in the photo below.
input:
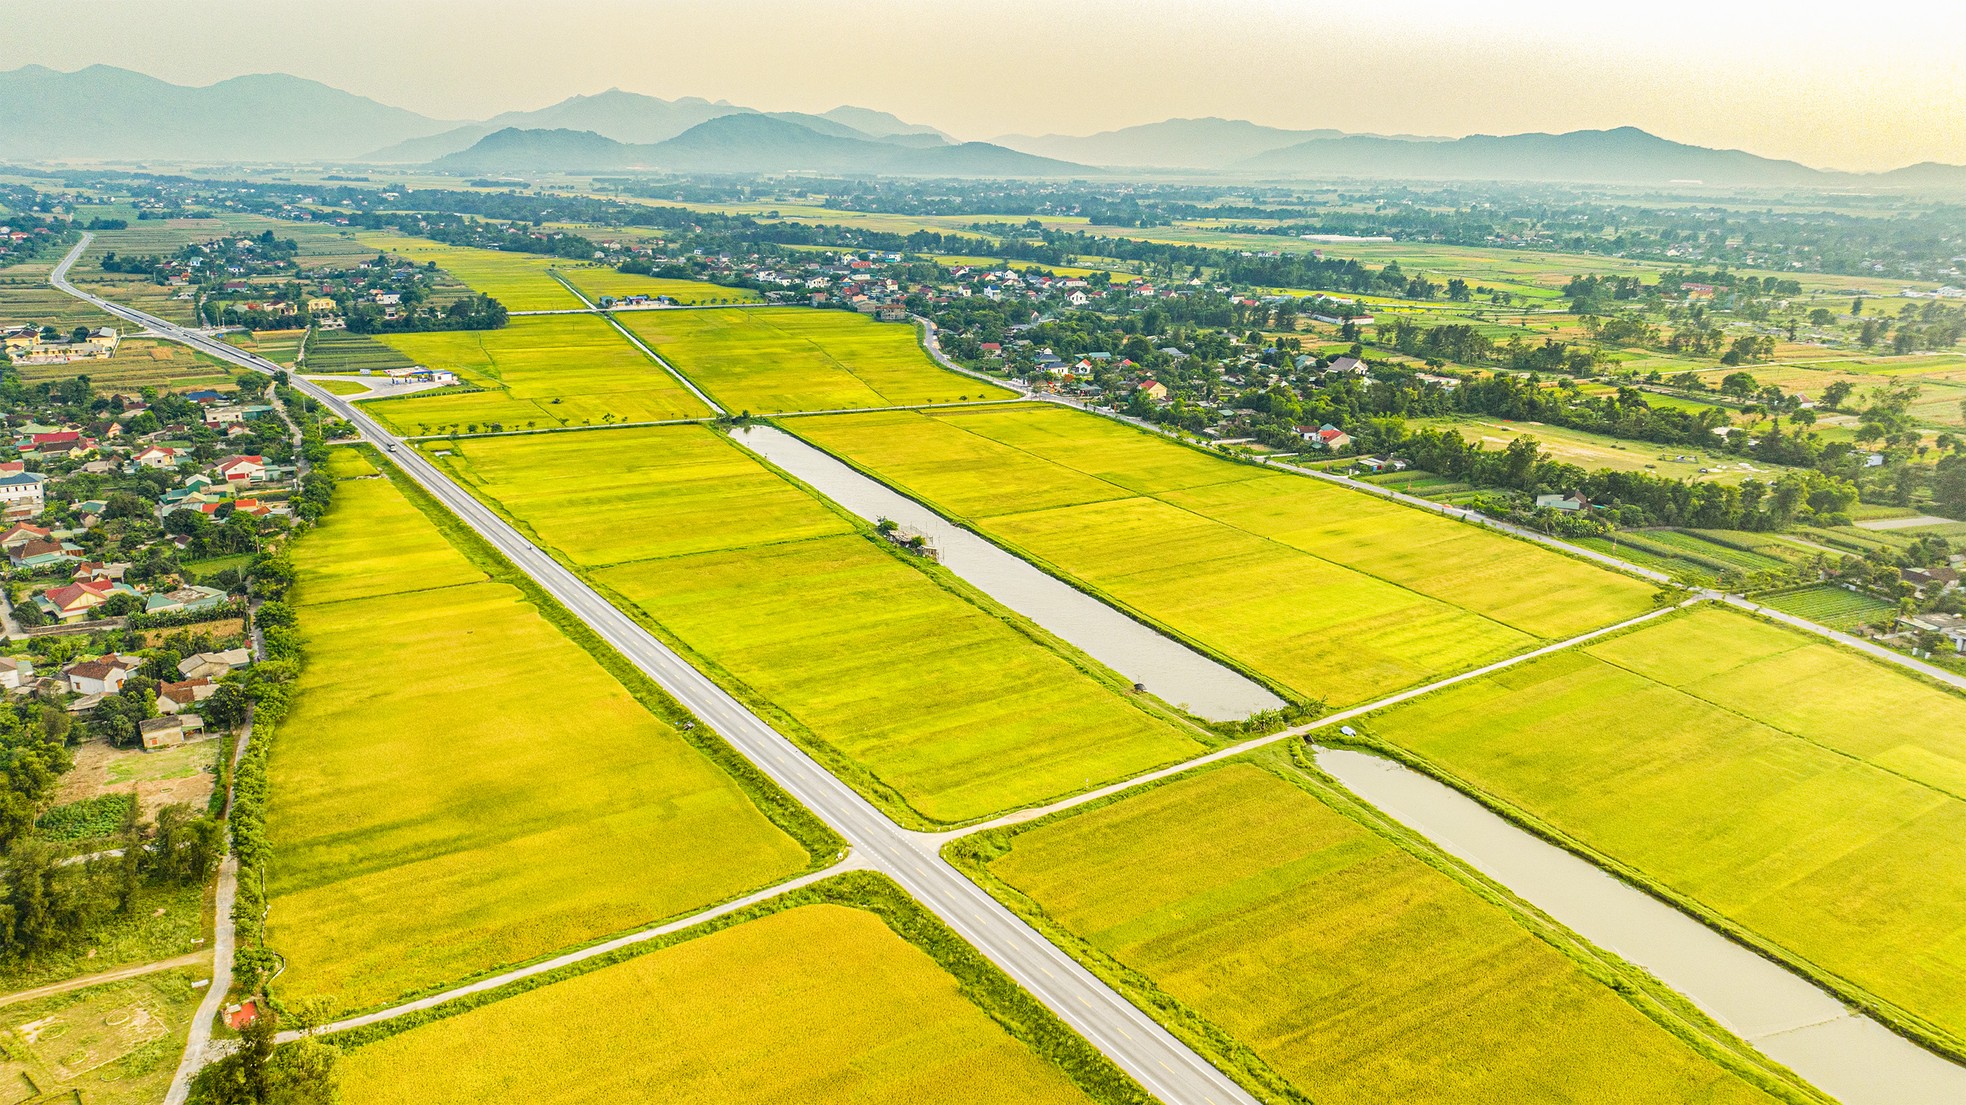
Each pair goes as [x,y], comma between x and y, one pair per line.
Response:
[1336,595]
[595,281]
[922,692]
[543,371]
[461,787]
[1271,925]
[818,1002]
[1777,784]
[774,360]
[521,281]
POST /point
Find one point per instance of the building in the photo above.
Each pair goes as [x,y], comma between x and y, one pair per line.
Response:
[1950,626]
[22,533]
[156,456]
[1326,436]
[1346,366]
[104,676]
[322,305]
[161,732]
[14,671]
[43,554]
[189,597]
[1153,389]
[211,665]
[1569,501]
[175,698]
[242,469]
[22,494]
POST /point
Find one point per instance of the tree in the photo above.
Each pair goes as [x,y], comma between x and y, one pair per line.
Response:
[1836,392]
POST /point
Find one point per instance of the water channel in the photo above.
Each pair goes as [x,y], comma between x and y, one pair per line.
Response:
[1844,1054]
[1791,1020]
[1167,668]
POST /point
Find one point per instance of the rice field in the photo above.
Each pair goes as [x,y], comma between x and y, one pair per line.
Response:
[780,359]
[1336,595]
[1251,911]
[460,787]
[1598,451]
[341,351]
[138,363]
[815,1003]
[546,370]
[595,281]
[1832,606]
[1808,797]
[933,701]
[521,281]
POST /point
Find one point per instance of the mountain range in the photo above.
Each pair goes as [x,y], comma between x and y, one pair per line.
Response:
[102,113]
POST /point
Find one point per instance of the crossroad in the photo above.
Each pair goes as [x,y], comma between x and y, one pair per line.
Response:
[1162,1064]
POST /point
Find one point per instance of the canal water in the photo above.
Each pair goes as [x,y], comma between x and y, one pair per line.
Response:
[1167,668]
[1843,1053]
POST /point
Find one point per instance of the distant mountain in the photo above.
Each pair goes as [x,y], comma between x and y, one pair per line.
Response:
[1171,144]
[743,143]
[105,113]
[622,116]
[879,123]
[1925,174]
[417,151]
[1623,155]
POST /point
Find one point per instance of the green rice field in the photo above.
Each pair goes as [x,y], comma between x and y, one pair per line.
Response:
[341,351]
[781,359]
[1335,595]
[1804,796]
[1263,918]
[935,702]
[817,1002]
[1832,606]
[460,787]
[545,370]
[521,281]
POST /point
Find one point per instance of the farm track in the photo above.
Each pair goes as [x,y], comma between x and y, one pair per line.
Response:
[1136,1043]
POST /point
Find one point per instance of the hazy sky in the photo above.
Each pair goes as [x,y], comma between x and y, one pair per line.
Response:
[1839,86]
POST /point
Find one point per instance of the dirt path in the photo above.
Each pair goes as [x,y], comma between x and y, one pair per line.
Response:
[189,959]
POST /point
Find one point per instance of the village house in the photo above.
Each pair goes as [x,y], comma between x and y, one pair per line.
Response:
[175,698]
[20,534]
[169,731]
[15,672]
[211,665]
[1567,501]
[44,553]
[189,597]
[1346,366]
[156,456]
[1326,436]
[1950,626]
[1153,389]
[22,494]
[241,469]
[104,676]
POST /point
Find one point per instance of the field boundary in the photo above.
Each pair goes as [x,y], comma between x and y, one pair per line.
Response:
[972,855]
[981,982]
[856,775]
[1902,1021]
[803,826]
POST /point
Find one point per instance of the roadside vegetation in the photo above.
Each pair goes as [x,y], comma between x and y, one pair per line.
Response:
[937,703]
[477,827]
[886,1006]
[1320,954]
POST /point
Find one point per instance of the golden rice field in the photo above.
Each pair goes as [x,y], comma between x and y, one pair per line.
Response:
[1799,793]
[816,1003]
[1353,970]
[935,702]
[460,787]
[521,281]
[778,359]
[544,371]
[1337,595]
[595,281]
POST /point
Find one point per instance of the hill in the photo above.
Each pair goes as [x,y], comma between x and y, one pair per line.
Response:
[1171,144]
[1623,155]
[743,143]
[105,113]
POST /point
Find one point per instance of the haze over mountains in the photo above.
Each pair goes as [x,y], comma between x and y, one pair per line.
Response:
[107,114]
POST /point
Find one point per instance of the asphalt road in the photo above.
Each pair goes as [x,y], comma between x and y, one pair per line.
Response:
[1166,1067]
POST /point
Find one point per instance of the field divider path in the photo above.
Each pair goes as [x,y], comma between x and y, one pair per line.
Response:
[188,959]
[638,343]
[493,982]
[1137,1044]
[1339,718]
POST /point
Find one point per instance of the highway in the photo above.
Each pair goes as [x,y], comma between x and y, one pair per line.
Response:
[1163,1065]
